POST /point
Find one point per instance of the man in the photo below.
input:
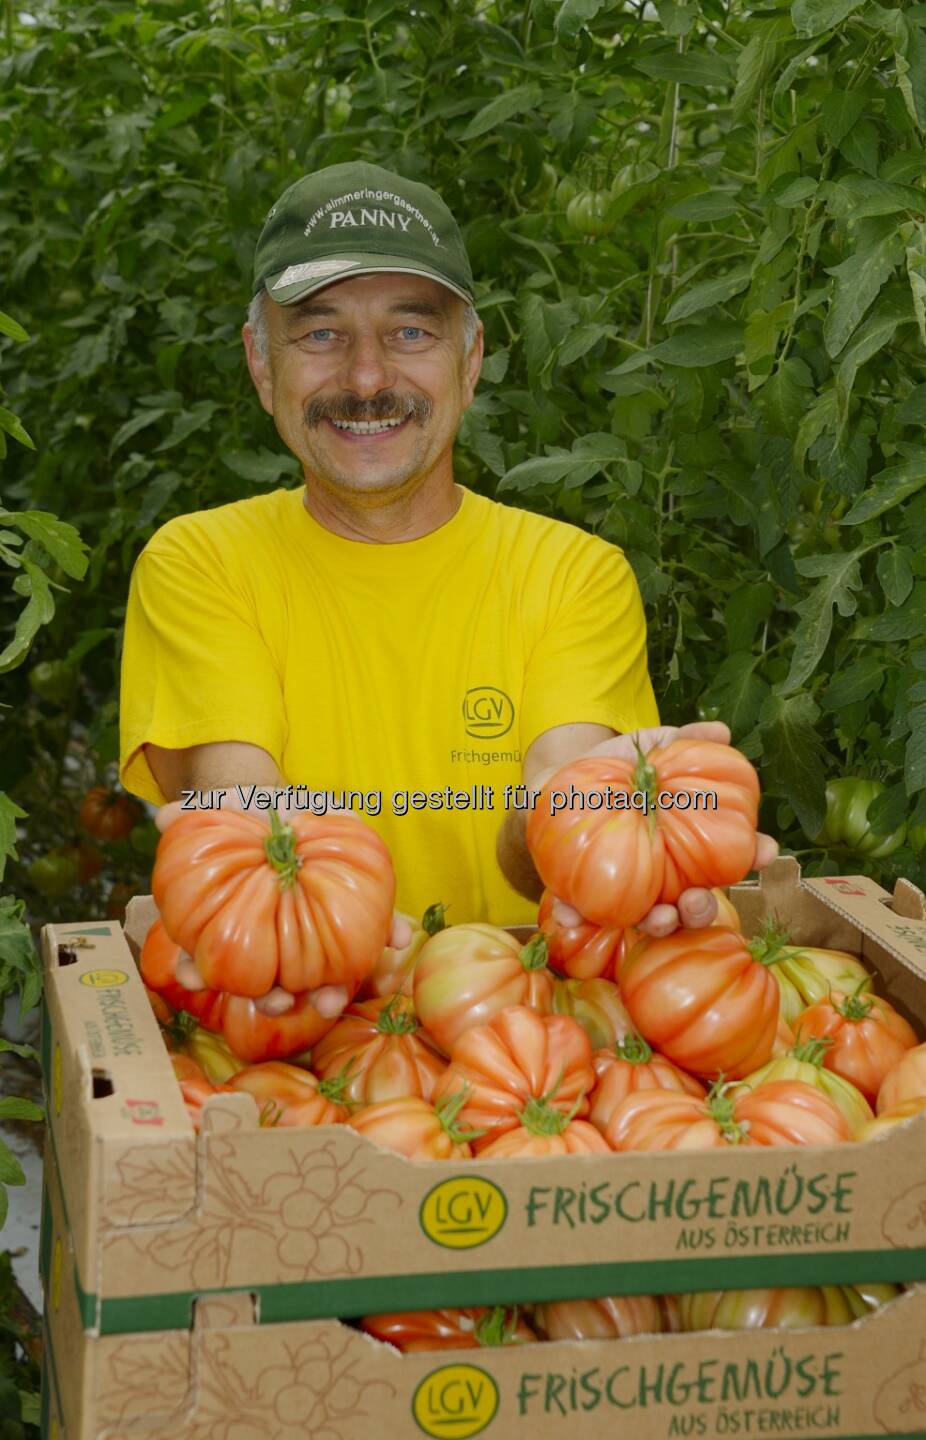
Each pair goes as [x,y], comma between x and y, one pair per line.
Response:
[381,630]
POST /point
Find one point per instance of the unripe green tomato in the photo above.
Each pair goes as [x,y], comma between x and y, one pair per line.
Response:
[916,837]
[846,823]
[707,712]
[144,838]
[545,186]
[586,212]
[629,175]
[566,190]
[54,874]
[52,680]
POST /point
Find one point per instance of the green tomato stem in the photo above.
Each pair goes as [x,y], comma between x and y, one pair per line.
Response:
[447,1111]
[634,1050]
[280,849]
[533,955]
[397,1017]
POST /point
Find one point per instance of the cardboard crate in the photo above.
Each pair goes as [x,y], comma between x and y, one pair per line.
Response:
[320,1222]
[229,1376]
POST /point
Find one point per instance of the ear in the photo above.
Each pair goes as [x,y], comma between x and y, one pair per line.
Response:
[259,366]
[472,366]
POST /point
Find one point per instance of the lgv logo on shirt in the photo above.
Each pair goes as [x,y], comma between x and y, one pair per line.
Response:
[487,712]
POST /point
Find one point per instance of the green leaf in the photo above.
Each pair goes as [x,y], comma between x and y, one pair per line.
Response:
[11,1172]
[26,1052]
[13,426]
[263,467]
[13,1107]
[708,205]
[907,622]
[757,60]
[139,421]
[738,692]
[745,610]
[699,69]
[582,339]
[888,811]
[889,487]
[841,109]
[503,107]
[60,539]
[38,610]
[709,292]
[855,197]
[840,575]
[811,17]
[783,398]
[549,470]
[495,366]
[187,423]
[858,281]
[693,346]
[572,15]
[916,274]
[855,683]
[914,768]
[11,327]
[795,758]
[20,971]
[675,19]
[9,814]
[895,571]
[789,191]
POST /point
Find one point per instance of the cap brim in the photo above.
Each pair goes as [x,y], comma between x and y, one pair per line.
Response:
[343,267]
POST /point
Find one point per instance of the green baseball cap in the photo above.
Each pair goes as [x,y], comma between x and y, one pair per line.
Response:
[358,219]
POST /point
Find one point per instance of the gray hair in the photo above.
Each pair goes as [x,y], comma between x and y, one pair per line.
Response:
[257,319]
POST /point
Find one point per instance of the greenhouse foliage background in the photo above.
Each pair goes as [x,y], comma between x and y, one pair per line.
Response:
[699,237]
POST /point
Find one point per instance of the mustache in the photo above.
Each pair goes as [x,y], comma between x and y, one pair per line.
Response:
[387,406]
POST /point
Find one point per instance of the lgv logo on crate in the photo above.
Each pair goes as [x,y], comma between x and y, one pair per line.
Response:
[456,1400]
[463,1212]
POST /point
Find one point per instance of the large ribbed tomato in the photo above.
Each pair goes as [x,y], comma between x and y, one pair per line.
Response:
[794,1306]
[783,1112]
[301,905]
[886,1119]
[727,917]
[519,1056]
[471,1329]
[417,1129]
[394,971]
[381,1051]
[806,1062]
[542,1132]
[613,864]
[613,1317]
[805,973]
[632,1065]
[597,1006]
[700,998]
[289,1095]
[468,973]
[868,1036]
[251,1035]
[581,951]
[904,1081]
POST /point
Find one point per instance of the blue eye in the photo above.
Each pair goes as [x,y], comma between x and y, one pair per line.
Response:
[314,334]
[417,328]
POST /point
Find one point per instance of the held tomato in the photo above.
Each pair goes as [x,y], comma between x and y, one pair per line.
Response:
[805,973]
[108,814]
[305,904]
[289,1095]
[251,1035]
[376,1047]
[582,951]
[700,998]
[450,1329]
[614,1317]
[868,1036]
[904,1081]
[417,1128]
[598,1008]
[806,1062]
[468,973]
[783,1112]
[613,865]
[628,1066]
[394,971]
[519,1056]
[793,1307]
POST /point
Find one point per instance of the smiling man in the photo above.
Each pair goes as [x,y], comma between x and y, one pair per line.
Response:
[380,633]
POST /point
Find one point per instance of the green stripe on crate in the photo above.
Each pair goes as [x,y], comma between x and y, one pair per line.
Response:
[318,1300]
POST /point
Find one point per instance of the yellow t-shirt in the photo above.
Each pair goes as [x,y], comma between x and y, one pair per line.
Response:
[385,669]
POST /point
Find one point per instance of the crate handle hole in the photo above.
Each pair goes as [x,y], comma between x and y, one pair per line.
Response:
[102,1084]
[67,955]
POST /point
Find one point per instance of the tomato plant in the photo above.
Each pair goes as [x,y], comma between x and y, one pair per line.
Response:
[846,822]
[300,905]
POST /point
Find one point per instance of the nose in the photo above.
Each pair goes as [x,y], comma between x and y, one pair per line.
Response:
[367,369]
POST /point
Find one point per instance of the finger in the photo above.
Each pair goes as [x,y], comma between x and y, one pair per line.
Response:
[566,916]
[167,814]
[329,1000]
[187,975]
[697,908]
[766,850]
[714,730]
[401,931]
[276,1002]
[661,920]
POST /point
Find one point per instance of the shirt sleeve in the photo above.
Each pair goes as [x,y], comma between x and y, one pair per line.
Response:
[590,664]
[195,667]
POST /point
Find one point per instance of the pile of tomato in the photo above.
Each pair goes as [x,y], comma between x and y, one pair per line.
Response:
[589,1038]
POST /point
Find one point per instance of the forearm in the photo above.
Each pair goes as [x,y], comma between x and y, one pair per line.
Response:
[514,858]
